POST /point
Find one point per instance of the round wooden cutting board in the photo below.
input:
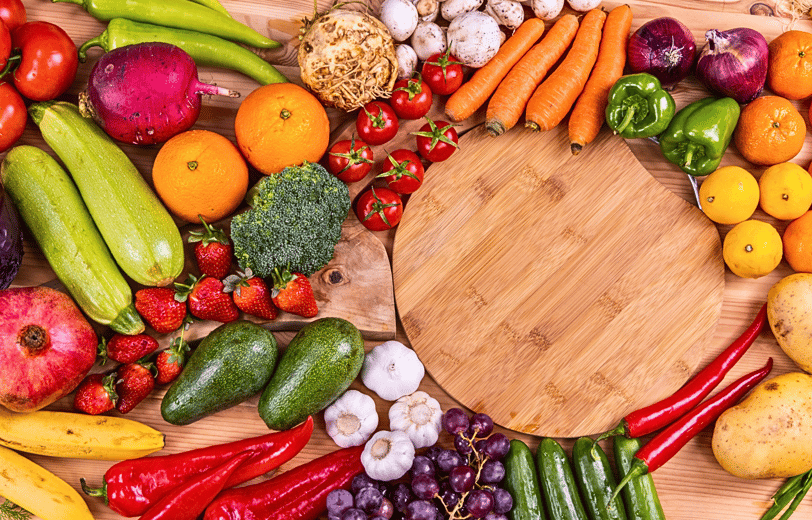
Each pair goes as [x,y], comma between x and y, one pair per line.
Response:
[555,292]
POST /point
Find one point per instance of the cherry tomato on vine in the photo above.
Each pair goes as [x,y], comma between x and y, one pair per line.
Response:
[48,60]
[350,160]
[12,12]
[377,123]
[411,98]
[379,209]
[436,140]
[443,73]
[403,171]
[13,116]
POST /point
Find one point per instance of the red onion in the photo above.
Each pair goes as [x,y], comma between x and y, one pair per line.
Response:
[734,63]
[663,47]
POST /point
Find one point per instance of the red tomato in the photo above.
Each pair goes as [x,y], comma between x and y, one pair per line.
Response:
[12,116]
[49,60]
[403,171]
[443,73]
[12,12]
[5,44]
[350,160]
[377,123]
[411,98]
[379,209]
[436,140]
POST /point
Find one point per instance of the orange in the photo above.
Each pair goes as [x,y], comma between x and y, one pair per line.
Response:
[280,125]
[770,131]
[785,191]
[199,172]
[789,69]
[798,243]
[752,249]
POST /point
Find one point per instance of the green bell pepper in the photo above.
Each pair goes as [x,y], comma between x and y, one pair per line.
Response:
[638,106]
[699,134]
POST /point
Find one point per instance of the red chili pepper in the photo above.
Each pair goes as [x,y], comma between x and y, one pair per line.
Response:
[298,494]
[131,487]
[660,414]
[192,498]
[668,442]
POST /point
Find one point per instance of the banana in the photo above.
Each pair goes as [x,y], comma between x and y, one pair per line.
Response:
[39,491]
[78,436]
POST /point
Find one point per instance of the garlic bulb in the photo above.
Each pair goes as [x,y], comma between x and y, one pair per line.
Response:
[388,455]
[392,370]
[351,419]
[419,416]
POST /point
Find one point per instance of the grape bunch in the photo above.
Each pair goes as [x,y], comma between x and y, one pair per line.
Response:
[366,499]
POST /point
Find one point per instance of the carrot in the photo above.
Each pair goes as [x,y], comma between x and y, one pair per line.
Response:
[589,113]
[469,97]
[508,102]
[555,96]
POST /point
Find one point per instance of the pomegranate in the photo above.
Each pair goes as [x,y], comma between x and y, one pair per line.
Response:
[46,347]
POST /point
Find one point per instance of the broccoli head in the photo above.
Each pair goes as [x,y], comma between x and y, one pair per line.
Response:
[294,221]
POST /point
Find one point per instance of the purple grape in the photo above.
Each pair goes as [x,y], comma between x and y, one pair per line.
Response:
[378,517]
[420,510]
[497,446]
[448,460]
[492,471]
[422,465]
[495,516]
[386,510]
[502,500]
[368,499]
[462,445]
[425,487]
[462,479]
[481,425]
[479,445]
[440,515]
[449,497]
[432,453]
[338,501]
[333,516]
[353,513]
[360,481]
[479,503]
[455,420]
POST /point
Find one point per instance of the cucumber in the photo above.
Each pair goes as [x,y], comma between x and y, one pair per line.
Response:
[596,481]
[234,362]
[522,482]
[639,495]
[318,365]
[53,210]
[139,231]
[558,482]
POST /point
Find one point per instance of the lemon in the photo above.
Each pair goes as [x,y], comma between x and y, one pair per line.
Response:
[729,195]
[786,191]
[752,249]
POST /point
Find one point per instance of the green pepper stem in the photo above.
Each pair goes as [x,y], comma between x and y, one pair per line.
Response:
[98,41]
[626,120]
[620,429]
[94,492]
[638,469]
[689,154]
[79,2]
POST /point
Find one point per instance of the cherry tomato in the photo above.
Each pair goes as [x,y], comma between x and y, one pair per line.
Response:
[443,73]
[436,140]
[48,60]
[379,209]
[411,98]
[403,171]
[350,160]
[13,116]
[377,123]
[12,12]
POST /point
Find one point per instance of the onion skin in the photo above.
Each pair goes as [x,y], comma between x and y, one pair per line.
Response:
[663,47]
[734,63]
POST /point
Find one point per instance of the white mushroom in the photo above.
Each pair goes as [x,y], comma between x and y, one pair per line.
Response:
[584,5]
[400,17]
[509,13]
[407,60]
[454,8]
[474,38]
[427,10]
[547,9]
[428,39]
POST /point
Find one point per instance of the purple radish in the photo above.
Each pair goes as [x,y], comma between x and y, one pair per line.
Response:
[145,93]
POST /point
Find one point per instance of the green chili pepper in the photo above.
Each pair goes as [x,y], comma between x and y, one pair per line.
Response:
[699,134]
[204,49]
[213,4]
[180,14]
[638,106]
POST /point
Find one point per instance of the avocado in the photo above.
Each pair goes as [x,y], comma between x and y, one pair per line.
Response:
[318,365]
[234,362]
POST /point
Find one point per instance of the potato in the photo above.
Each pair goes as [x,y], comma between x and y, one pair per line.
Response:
[767,434]
[789,311]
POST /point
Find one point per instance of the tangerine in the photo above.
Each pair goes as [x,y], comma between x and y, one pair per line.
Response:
[798,243]
[280,125]
[789,69]
[729,195]
[200,174]
[770,131]
[785,191]
[752,249]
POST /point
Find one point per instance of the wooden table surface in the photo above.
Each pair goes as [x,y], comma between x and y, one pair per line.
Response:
[692,486]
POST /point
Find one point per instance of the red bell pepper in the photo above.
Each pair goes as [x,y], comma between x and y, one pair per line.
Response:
[131,487]
[298,494]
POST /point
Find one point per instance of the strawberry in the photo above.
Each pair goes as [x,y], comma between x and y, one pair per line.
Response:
[96,394]
[251,294]
[161,307]
[213,251]
[207,300]
[170,362]
[135,381]
[126,349]
[292,293]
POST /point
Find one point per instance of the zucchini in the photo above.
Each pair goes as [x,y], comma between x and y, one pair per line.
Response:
[640,495]
[522,482]
[596,481]
[137,228]
[53,210]
[558,482]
